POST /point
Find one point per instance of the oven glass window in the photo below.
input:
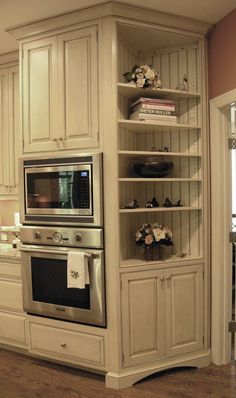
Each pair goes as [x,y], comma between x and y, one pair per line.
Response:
[49,284]
[58,190]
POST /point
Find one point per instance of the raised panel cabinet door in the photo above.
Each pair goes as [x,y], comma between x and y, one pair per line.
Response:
[183,310]
[142,317]
[4,139]
[39,101]
[78,88]
[15,140]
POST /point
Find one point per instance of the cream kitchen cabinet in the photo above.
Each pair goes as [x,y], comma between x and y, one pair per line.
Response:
[10,141]
[60,91]
[162,313]
[13,324]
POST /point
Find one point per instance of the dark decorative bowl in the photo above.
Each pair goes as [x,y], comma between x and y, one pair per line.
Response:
[151,168]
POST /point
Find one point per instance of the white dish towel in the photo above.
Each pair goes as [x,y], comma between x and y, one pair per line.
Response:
[77,270]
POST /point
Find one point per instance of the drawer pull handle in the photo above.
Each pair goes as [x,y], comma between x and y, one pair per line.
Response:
[63,345]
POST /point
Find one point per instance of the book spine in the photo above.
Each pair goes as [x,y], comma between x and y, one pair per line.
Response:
[153,106]
[152,111]
[153,101]
[143,116]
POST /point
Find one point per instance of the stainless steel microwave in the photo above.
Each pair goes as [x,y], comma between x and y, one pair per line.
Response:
[60,190]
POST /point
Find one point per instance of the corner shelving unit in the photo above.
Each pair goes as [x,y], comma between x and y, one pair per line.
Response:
[184,138]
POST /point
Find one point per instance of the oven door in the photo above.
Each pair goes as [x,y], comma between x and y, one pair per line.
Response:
[45,291]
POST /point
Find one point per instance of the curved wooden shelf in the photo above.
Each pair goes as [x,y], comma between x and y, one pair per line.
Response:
[147,126]
[132,92]
[158,209]
[138,179]
[156,153]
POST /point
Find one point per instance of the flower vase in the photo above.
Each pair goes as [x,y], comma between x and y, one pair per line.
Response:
[153,253]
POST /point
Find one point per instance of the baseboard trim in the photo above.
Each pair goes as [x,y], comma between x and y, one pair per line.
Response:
[128,377]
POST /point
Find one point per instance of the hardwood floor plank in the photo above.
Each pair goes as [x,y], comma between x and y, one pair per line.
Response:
[26,377]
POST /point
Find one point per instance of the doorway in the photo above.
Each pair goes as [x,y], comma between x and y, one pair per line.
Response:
[221,225]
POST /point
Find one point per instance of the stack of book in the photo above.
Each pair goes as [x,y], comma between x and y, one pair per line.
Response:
[153,109]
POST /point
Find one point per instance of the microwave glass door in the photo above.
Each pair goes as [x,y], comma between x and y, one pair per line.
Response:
[59,190]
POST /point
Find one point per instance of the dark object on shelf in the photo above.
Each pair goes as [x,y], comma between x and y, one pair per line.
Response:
[133,204]
[164,149]
[178,204]
[151,168]
[167,203]
[154,202]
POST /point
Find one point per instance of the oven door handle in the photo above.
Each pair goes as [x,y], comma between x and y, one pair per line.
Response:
[47,251]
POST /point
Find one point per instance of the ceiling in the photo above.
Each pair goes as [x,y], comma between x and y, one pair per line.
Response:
[16,12]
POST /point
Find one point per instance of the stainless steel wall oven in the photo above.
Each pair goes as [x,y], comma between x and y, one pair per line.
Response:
[62,216]
[44,273]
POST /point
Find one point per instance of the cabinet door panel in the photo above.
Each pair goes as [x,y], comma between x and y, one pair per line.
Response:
[4,142]
[39,96]
[15,140]
[78,85]
[143,317]
[184,310]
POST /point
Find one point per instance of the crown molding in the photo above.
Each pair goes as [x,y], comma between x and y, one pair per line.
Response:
[108,9]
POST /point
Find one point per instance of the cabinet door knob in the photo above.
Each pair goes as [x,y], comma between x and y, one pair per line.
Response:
[168,277]
[162,279]
[60,139]
[63,345]
[54,139]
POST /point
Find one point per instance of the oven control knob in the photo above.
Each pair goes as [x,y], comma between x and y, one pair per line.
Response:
[37,235]
[78,237]
[57,237]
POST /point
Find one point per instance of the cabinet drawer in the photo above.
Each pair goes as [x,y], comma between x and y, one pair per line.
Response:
[10,270]
[67,345]
[13,329]
[11,296]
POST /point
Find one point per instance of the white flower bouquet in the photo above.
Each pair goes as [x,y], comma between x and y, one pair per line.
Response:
[154,235]
[143,76]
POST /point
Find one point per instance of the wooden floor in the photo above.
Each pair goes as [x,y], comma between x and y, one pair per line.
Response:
[24,377]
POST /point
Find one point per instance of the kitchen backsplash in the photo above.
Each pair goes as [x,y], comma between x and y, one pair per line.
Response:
[8,208]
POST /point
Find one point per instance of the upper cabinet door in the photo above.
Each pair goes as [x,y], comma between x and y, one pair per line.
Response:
[15,140]
[4,142]
[39,81]
[184,310]
[78,88]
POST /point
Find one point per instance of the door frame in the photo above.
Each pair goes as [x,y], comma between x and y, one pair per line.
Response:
[221,251]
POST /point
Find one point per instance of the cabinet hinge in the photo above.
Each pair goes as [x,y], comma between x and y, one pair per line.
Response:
[232,143]
[232,327]
[232,237]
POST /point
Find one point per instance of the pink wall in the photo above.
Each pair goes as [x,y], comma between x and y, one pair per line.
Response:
[222,56]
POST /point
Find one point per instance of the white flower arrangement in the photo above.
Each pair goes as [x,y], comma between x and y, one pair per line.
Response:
[143,76]
[154,234]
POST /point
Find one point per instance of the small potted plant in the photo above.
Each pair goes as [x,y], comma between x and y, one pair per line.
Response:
[152,237]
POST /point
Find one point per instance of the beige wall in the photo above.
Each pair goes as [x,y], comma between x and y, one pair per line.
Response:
[7,210]
[222,56]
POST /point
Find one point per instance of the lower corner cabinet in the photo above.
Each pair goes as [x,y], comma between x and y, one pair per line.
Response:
[162,313]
